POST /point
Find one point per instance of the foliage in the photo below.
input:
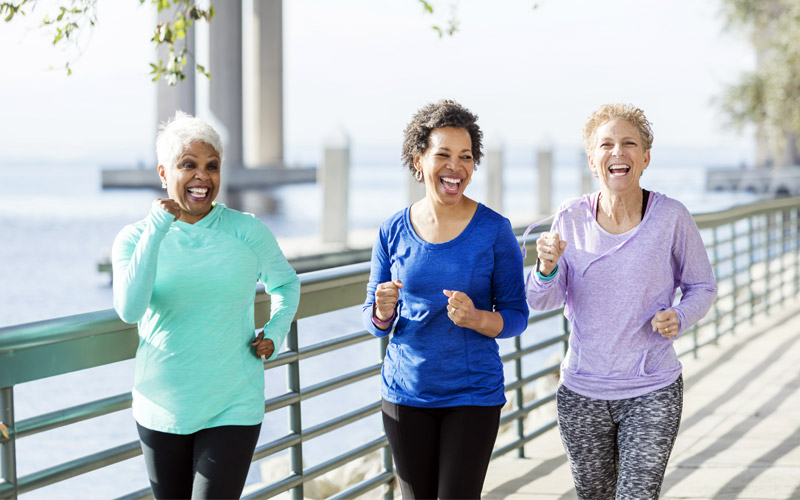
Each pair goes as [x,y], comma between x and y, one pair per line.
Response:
[69,17]
[768,97]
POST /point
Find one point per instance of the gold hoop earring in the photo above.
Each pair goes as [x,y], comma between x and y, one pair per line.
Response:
[418,175]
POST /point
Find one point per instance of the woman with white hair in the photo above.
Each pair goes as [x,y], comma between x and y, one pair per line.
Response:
[187,274]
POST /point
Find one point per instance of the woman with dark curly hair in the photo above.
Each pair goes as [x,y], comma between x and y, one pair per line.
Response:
[447,274]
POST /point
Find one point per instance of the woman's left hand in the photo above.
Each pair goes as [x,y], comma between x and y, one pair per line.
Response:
[264,347]
[460,309]
[666,323]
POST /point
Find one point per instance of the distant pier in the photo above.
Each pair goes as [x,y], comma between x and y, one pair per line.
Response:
[238,178]
[769,181]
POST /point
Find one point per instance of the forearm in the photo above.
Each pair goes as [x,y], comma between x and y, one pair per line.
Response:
[488,323]
[134,269]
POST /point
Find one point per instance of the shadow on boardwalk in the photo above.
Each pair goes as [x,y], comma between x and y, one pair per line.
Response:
[740,433]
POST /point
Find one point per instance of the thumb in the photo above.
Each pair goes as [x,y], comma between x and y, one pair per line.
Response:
[653,323]
[449,293]
[398,283]
[563,245]
[258,339]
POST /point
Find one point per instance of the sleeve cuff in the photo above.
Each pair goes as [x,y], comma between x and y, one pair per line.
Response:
[549,276]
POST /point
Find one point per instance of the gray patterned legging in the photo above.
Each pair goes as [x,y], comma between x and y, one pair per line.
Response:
[619,449]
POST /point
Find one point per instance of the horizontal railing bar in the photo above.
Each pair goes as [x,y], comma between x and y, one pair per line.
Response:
[554,368]
[334,344]
[534,348]
[524,440]
[341,421]
[364,486]
[276,445]
[276,488]
[340,381]
[71,415]
[278,402]
[336,462]
[144,493]
[541,316]
[525,410]
[78,466]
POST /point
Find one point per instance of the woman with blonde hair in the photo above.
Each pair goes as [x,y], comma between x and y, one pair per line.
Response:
[618,257]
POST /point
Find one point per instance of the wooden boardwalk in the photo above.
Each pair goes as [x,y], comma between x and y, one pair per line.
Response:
[740,433]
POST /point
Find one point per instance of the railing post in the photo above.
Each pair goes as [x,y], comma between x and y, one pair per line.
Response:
[715,242]
[295,412]
[734,283]
[388,463]
[767,258]
[519,394]
[784,227]
[8,454]
[751,261]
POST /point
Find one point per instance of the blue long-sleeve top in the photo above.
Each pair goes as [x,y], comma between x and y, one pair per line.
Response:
[431,362]
[190,288]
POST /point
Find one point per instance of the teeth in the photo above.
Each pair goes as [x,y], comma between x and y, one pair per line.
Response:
[198,191]
[450,180]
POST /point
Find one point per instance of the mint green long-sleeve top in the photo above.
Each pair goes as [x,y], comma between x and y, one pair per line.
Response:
[190,288]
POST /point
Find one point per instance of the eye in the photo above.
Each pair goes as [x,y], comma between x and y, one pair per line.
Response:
[606,145]
[630,143]
[467,157]
[442,155]
[213,167]
[187,164]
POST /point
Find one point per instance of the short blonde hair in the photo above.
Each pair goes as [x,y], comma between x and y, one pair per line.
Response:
[608,112]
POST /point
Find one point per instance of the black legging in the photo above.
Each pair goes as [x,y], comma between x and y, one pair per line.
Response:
[211,463]
[441,452]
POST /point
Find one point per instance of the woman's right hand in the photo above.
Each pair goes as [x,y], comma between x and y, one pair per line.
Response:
[169,205]
[386,295]
[549,248]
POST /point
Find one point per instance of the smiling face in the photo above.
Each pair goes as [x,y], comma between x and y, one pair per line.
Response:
[193,182]
[447,164]
[618,157]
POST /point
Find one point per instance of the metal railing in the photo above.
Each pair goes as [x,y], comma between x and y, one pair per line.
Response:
[753,249]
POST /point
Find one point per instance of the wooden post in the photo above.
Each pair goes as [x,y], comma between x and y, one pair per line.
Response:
[335,180]
[494,179]
[544,166]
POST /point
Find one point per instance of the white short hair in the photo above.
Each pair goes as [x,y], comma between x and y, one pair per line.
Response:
[177,133]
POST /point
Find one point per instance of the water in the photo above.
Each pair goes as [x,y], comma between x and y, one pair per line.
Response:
[57,224]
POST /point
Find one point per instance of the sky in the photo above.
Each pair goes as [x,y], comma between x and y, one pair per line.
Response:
[363,67]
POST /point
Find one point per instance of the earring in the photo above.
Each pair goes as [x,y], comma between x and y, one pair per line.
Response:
[418,175]
[163,185]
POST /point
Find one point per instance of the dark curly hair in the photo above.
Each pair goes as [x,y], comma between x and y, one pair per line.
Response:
[445,113]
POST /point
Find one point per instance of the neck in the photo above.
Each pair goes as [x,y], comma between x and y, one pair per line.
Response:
[621,208]
[437,213]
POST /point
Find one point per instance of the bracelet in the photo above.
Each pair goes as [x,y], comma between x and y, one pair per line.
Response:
[378,322]
[542,276]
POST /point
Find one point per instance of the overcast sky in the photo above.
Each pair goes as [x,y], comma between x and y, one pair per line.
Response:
[365,66]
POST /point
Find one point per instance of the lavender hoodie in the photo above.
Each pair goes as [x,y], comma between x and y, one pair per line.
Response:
[614,284]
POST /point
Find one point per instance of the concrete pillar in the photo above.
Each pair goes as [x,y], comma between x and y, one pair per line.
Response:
[494,179]
[225,87]
[416,190]
[544,166]
[334,177]
[265,127]
[181,96]
[587,177]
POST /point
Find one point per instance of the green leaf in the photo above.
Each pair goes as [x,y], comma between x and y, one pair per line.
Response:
[428,7]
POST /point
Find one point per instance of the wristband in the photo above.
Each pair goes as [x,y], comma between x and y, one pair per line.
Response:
[378,322]
[549,276]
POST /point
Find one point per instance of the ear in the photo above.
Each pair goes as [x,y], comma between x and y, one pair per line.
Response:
[418,163]
[162,173]
[592,165]
[646,160]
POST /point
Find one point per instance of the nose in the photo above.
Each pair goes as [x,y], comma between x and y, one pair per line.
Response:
[617,151]
[201,173]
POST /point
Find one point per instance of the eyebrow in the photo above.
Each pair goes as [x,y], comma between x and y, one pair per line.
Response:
[445,148]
